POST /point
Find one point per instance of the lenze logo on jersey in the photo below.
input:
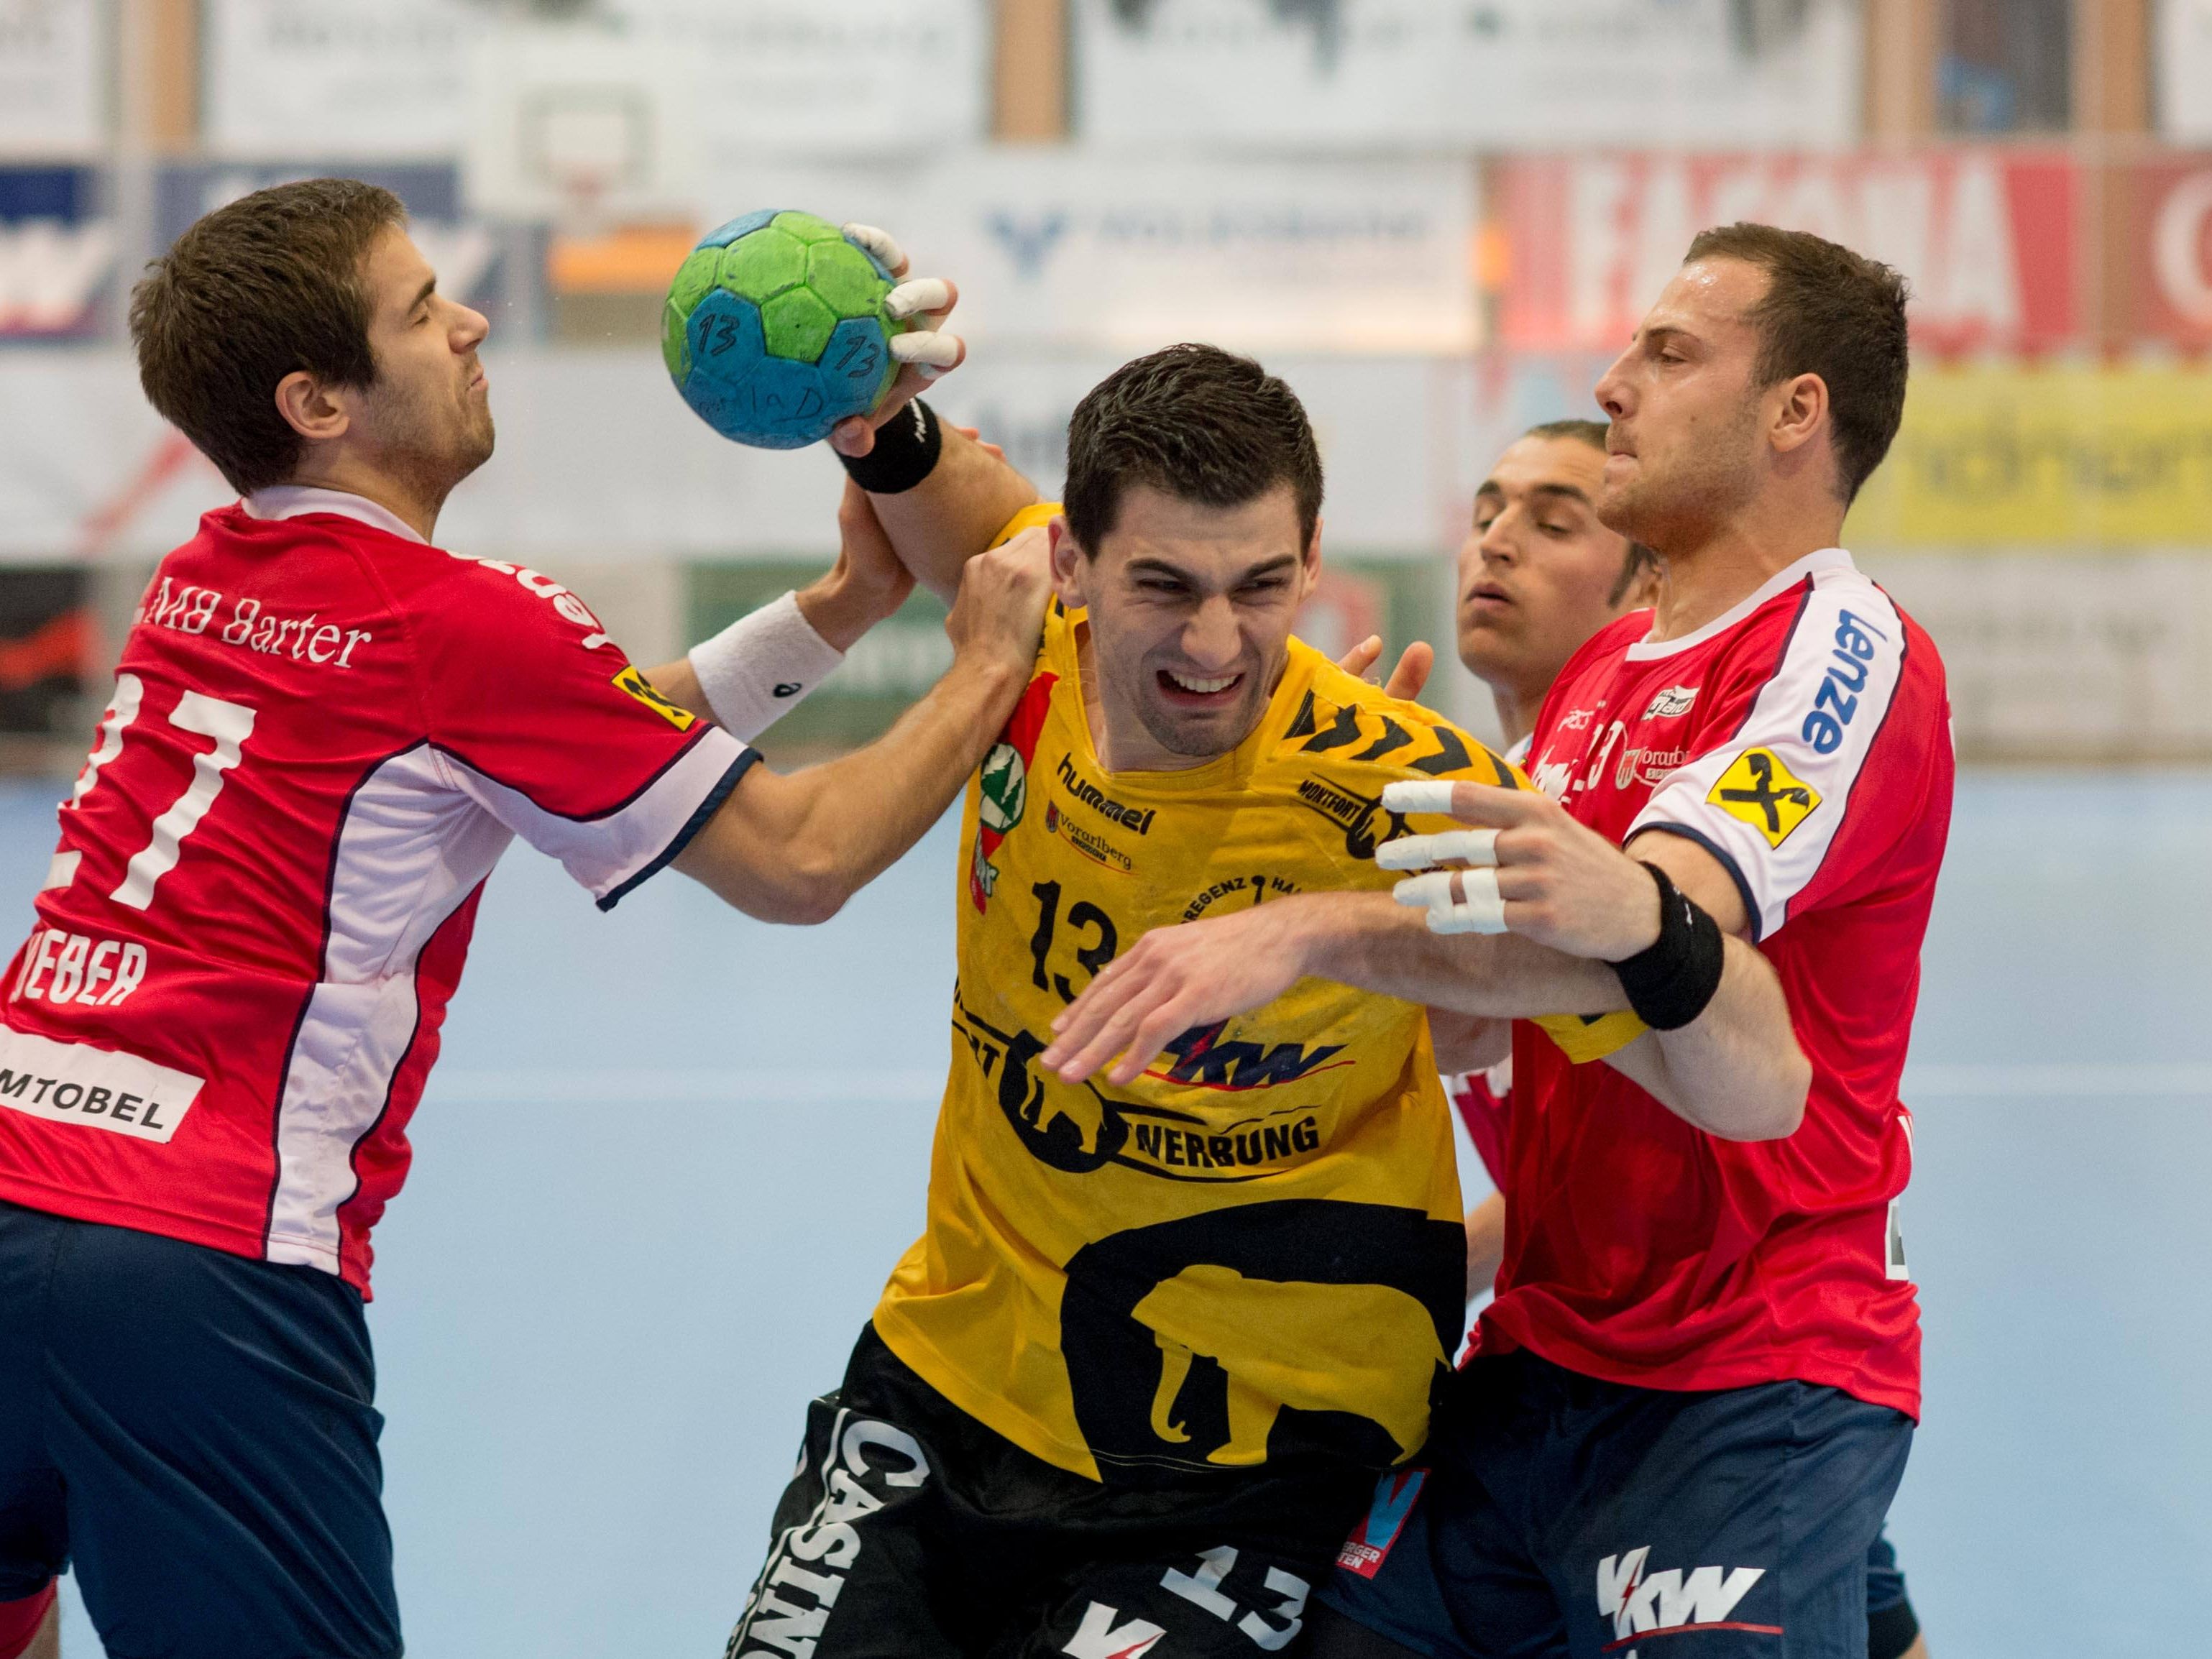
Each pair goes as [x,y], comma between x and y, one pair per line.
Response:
[98,1088]
[638,686]
[1674,700]
[1837,699]
[1766,794]
[1642,1604]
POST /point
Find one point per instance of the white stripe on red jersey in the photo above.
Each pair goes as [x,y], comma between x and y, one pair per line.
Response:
[324,734]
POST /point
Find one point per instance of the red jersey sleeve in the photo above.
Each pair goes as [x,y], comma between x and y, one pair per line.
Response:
[1813,751]
[538,717]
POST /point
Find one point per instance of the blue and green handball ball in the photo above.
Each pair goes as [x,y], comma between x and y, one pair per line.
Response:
[774,329]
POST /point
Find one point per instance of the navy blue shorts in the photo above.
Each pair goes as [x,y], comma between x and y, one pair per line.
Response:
[195,1433]
[1564,1516]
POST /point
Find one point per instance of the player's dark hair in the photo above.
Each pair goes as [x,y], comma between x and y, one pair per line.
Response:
[1193,422]
[1833,312]
[1583,432]
[1638,560]
[269,285]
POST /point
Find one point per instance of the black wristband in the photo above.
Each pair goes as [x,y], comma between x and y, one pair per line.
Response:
[906,451]
[1670,982]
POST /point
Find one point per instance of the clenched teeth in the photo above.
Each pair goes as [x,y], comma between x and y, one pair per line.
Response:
[1191,683]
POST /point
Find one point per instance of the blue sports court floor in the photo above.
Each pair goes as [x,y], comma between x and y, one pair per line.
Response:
[670,1155]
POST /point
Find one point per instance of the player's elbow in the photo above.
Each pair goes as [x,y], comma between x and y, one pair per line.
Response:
[1774,1110]
[812,889]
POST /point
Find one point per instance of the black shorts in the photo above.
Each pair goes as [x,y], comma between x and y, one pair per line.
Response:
[912,1531]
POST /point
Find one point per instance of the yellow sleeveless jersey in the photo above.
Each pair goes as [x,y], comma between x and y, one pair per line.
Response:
[1255,1251]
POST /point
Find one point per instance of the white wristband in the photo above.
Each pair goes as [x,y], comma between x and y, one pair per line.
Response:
[756,670]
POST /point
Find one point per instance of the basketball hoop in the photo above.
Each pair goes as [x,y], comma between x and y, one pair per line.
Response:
[578,126]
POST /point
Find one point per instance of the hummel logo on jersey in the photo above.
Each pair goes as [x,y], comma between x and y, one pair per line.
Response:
[1766,794]
[1663,1603]
[1675,700]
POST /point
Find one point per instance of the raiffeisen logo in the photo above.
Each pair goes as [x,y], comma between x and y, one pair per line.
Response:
[1667,1603]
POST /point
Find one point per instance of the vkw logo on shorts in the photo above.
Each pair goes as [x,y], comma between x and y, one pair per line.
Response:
[1642,1604]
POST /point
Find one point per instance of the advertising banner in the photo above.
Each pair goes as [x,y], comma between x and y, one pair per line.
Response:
[1087,250]
[1332,74]
[2061,456]
[1987,237]
[2059,656]
[465,254]
[2182,62]
[397,78]
[58,252]
[53,63]
[2166,265]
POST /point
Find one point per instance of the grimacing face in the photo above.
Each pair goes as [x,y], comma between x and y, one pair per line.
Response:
[429,416]
[1190,612]
[1537,570]
[1684,448]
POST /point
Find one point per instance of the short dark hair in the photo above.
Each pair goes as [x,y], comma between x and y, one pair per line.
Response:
[1583,432]
[1197,422]
[1833,312]
[1639,559]
[270,284]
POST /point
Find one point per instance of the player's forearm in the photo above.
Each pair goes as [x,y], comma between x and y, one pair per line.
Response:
[794,849]
[869,807]
[1486,1244]
[952,515]
[1369,941]
[1736,1071]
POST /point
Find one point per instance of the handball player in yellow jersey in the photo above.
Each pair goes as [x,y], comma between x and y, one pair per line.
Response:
[1136,1379]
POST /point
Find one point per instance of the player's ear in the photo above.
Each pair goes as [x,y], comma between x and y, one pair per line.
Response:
[1070,568]
[308,410]
[1310,564]
[1801,413]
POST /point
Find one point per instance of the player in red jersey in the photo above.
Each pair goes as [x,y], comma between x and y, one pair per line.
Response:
[1694,1394]
[324,733]
[1538,575]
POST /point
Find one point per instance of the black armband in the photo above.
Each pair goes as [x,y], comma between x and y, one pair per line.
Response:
[1669,982]
[907,447]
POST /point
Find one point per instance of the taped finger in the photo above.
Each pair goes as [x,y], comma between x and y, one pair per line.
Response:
[929,349]
[1457,901]
[1481,911]
[1432,796]
[919,297]
[879,245]
[1422,852]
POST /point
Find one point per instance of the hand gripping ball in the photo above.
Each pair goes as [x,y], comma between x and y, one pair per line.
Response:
[774,329]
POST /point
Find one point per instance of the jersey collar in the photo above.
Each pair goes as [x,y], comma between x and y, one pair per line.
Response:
[1828,558]
[292,500]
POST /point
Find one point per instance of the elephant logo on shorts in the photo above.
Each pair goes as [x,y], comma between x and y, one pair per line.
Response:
[1255,1331]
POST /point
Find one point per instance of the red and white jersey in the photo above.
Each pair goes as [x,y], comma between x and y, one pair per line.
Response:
[325,732]
[1804,740]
